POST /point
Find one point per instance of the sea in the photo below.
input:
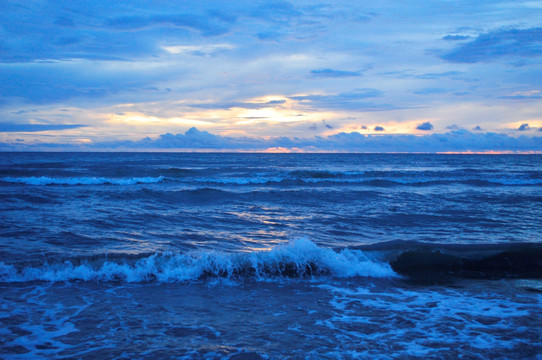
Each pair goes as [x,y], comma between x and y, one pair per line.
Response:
[270,256]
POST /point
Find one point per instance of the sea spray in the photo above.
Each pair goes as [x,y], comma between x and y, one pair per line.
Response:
[298,259]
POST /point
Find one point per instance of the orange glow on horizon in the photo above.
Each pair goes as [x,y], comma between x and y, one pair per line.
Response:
[490,152]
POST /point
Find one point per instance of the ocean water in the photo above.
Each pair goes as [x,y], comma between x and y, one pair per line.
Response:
[270,256]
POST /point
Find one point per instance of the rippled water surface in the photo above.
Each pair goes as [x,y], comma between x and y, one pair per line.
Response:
[174,255]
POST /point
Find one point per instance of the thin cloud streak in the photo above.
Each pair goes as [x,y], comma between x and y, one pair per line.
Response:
[10,127]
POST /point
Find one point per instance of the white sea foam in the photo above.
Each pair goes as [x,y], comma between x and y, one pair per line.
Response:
[447,318]
[46,180]
[301,258]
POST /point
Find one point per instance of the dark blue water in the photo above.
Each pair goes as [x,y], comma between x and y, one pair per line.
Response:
[140,255]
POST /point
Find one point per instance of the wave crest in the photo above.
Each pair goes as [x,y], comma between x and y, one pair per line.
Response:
[298,259]
[46,180]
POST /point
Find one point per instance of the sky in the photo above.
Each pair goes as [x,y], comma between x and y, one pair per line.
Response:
[379,76]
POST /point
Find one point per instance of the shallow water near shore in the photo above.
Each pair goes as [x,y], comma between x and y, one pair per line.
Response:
[288,319]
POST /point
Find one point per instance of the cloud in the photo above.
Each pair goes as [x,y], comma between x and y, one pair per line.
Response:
[200,23]
[171,60]
[460,140]
[524,95]
[498,43]
[49,82]
[194,139]
[477,128]
[330,73]
[10,127]
[198,50]
[524,127]
[242,105]
[426,126]
[423,76]
[269,35]
[103,31]
[275,11]
[434,76]
[353,100]
[456,37]
[379,128]
[429,91]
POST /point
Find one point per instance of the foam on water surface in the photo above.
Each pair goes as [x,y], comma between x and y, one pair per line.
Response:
[299,259]
[46,180]
[344,318]
[491,321]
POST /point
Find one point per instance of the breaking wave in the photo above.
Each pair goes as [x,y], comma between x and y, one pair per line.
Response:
[299,259]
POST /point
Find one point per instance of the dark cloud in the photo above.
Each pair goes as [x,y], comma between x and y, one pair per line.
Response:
[429,91]
[330,73]
[524,127]
[498,43]
[426,76]
[10,127]
[275,11]
[455,37]
[379,128]
[327,125]
[426,126]
[477,128]
[453,127]
[434,76]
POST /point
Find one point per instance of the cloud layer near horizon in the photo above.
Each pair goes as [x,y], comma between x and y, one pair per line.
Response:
[194,140]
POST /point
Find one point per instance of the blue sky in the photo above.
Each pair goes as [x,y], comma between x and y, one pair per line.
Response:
[382,76]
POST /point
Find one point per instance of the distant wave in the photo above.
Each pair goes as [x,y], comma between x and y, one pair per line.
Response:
[292,178]
[298,259]
[240,180]
[377,182]
[322,174]
[45,180]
